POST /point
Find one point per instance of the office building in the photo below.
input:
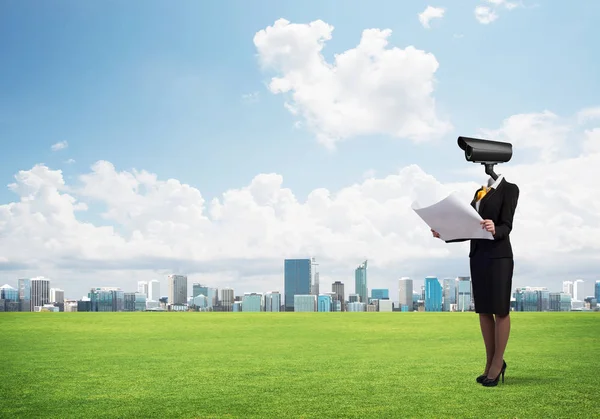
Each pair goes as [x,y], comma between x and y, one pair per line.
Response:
[252,302]
[386,305]
[597,291]
[559,301]
[177,289]
[463,293]
[305,303]
[129,301]
[297,280]
[199,303]
[57,295]
[227,299]
[380,294]
[315,288]
[40,291]
[199,289]
[143,287]
[356,306]
[273,301]
[105,299]
[9,293]
[338,288]
[568,288]
[324,303]
[449,293]
[433,294]
[25,294]
[360,282]
[405,294]
[153,290]
[578,292]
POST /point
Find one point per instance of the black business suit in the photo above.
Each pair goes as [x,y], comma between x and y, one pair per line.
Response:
[491,261]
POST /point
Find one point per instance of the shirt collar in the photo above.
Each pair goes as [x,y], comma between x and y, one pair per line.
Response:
[496,182]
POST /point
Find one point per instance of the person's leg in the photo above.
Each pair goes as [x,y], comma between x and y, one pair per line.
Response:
[502,333]
[488,331]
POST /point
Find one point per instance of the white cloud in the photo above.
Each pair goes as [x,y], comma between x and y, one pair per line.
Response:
[164,225]
[430,13]
[592,141]
[59,146]
[588,114]
[487,14]
[70,161]
[543,131]
[367,90]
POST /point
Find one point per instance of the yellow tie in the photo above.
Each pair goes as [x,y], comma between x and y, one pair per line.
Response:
[482,193]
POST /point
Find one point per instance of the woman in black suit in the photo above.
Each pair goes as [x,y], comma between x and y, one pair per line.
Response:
[492,264]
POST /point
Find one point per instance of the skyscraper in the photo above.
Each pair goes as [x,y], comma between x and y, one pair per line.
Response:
[177,289]
[25,294]
[227,298]
[360,282]
[273,301]
[568,288]
[57,295]
[154,290]
[40,291]
[252,302]
[463,293]
[380,294]
[578,292]
[449,293]
[314,288]
[433,294]
[338,288]
[405,294]
[297,280]
[143,288]
[597,291]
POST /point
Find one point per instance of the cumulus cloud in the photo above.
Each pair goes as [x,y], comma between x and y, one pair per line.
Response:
[369,89]
[59,146]
[545,132]
[487,14]
[429,14]
[147,223]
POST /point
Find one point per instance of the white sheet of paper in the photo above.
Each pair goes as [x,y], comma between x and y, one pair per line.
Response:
[453,219]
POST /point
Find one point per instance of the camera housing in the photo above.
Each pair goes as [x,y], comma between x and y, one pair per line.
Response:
[486,152]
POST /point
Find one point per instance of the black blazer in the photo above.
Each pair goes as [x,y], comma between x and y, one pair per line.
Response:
[498,205]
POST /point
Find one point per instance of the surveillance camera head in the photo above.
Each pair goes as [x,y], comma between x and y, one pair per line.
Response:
[485,151]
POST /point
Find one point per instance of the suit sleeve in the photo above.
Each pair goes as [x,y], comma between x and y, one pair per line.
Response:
[507,213]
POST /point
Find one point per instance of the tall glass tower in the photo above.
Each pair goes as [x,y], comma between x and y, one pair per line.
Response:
[433,294]
[360,282]
[297,280]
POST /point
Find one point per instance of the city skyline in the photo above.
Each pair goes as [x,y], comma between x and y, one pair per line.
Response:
[437,293]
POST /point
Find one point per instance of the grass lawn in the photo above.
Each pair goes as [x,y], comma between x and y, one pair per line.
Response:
[300,365]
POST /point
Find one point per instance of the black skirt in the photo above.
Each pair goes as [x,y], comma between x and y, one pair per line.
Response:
[492,284]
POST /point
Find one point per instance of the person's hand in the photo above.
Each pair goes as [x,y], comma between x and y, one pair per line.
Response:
[489,226]
[435,233]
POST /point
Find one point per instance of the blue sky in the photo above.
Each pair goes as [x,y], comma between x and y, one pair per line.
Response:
[149,85]
[163,87]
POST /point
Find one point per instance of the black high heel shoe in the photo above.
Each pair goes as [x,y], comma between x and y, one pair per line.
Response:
[488,382]
[484,376]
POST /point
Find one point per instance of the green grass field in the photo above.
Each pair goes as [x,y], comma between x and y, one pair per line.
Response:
[297,365]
